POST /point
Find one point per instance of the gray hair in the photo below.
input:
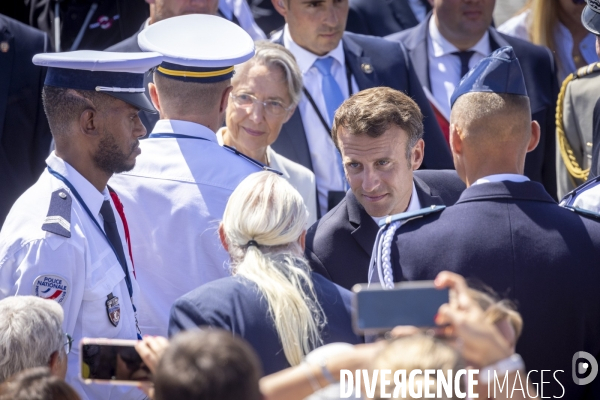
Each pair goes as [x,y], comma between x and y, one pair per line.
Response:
[272,54]
[31,330]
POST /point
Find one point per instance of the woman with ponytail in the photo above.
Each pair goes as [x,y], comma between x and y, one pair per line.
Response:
[272,299]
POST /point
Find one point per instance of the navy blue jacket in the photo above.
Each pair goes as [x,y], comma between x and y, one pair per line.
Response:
[539,71]
[514,238]
[391,67]
[234,304]
[339,245]
[381,17]
[24,131]
[595,168]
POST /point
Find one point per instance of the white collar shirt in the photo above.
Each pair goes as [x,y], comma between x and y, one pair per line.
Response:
[323,152]
[413,205]
[500,178]
[83,266]
[174,199]
[444,67]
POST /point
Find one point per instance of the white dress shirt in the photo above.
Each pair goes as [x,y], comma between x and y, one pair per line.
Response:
[84,263]
[518,26]
[174,200]
[323,153]
[500,178]
[300,177]
[413,205]
[444,67]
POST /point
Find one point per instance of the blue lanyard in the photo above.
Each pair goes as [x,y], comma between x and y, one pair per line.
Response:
[87,210]
[228,148]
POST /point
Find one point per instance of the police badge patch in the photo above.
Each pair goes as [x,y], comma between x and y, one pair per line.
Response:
[51,287]
[113,309]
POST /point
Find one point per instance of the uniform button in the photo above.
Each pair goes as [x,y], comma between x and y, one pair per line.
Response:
[62,195]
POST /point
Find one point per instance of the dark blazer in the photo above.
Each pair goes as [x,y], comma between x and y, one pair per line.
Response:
[516,239]
[391,67]
[130,45]
[234,304]
[595,168]
[24,131]
[538,68]
[340,244]
[381,17]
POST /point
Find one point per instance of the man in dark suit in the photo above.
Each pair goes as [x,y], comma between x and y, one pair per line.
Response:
[445,46]
[334,65]
[24,131]
[379,133]
[507,232]
[384,17]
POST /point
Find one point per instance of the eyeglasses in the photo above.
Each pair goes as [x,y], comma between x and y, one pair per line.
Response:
[68,343]
[272,107]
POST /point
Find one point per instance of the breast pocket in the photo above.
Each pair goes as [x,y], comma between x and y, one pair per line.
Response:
[103,303]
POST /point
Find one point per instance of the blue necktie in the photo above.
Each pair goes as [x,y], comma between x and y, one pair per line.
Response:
[331,90]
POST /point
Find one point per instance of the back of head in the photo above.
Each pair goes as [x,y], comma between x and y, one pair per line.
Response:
[491,120]
[263,222]
[418,352]
[207,365]
[36,384]
[31,330]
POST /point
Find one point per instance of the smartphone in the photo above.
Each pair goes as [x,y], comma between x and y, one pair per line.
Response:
[377,310]
[111,361]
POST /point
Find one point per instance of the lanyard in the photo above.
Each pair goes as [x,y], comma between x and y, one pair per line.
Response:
[89,213]
[314,105]
[228,148]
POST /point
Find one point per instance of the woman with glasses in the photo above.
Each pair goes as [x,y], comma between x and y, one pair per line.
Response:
[557,25]
[272,300]
[266,90]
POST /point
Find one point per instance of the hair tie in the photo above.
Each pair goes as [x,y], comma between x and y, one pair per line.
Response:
[251,243]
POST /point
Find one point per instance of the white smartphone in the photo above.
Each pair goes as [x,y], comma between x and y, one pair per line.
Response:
[112,362]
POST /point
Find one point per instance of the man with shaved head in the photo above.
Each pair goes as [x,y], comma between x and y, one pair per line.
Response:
[506,231]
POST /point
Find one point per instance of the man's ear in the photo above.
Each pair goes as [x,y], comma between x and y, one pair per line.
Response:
[455,139]
[225,98]
[535,136]
[88,123]
[54,362]
[417,154]
[281,7]
[222,237]
[154,95]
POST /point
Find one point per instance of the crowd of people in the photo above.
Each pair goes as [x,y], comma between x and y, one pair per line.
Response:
[214,197]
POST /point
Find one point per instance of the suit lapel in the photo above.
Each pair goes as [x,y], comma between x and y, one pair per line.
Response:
[417,46]
[403,13]
[6,66]
[496,41]
[366,228]
[427,197]
[358,64]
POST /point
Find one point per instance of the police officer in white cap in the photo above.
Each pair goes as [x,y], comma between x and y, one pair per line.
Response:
[66,238]
[177,192]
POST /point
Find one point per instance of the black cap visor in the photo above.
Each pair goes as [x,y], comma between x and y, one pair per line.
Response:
[591,20]
[138,100]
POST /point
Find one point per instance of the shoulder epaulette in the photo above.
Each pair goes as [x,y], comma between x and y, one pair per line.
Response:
[58,220]
[407,216]
[587,70]
[252,160]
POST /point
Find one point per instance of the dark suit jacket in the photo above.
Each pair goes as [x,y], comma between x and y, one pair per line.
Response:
[538,68]
[24,131]
[595,168]
[234,304]
[340,244]
[391,67]
[130,45]
[381,17]
[516,239]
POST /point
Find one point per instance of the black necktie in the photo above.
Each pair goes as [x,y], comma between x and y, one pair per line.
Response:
[465,57]
[110,228]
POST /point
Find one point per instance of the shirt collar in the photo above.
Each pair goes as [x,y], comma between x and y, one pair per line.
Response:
[184,128]
[89,194]
[442,47]
[305,58]
[500,178]
[413,205]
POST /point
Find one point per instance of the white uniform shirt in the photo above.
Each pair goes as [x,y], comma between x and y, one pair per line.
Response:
[444,67]
[323,153]
[174,200]
[84,266]
[589,200]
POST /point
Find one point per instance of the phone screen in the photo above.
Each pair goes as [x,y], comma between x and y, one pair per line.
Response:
[112,362]
[409,303]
